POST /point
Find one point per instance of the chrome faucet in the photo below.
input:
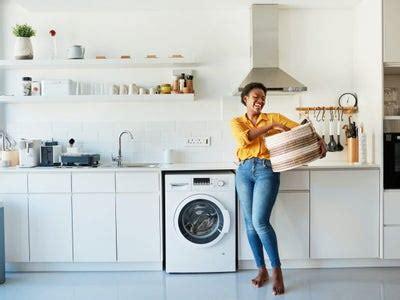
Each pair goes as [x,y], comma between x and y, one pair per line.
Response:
[118,159]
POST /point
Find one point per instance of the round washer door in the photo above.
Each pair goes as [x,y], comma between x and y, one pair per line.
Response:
[201,220]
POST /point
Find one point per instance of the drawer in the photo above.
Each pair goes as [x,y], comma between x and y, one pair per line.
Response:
[391,206]
[13,183]
[391,242]
[93,182]
[127,182]
[295,180]
[49,182]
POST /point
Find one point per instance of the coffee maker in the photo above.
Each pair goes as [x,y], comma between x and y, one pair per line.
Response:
[50,154]
[29,153]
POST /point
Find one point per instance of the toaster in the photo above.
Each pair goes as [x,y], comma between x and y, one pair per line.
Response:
[50,154]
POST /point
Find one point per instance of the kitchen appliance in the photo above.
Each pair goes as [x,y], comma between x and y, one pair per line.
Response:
[58,87]
[200,222]
[76,52]
[80,159]
[265,52]
[391,158]
[50,154]
[29,153]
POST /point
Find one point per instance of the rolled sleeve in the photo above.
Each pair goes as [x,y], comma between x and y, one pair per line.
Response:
[240,132]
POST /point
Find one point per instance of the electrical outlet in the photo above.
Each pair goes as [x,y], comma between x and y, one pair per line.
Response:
[198,141]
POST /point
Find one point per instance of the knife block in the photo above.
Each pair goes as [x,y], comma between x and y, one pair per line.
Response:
[352,150]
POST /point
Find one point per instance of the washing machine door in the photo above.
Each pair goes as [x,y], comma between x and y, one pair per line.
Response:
[201,221]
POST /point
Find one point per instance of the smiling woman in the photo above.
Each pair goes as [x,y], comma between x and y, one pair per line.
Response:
[256,184]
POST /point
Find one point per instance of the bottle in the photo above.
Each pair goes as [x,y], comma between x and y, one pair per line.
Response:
[181,83]
[27,86]
[175,84]
[189,83]
[362,145]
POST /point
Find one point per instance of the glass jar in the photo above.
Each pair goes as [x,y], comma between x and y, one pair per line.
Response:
[27,86]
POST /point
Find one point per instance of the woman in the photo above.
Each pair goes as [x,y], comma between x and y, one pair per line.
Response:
[257,186]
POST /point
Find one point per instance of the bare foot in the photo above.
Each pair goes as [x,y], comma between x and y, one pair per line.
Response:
[277,283]
[261,278]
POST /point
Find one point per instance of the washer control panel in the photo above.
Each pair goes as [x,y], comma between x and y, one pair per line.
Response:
[211,182]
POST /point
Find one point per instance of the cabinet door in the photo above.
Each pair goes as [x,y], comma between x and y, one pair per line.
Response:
[391,25]
[344,208]
[138,227]
[290,219]
[50,227]
[16,227]
[94,227]
[13,183]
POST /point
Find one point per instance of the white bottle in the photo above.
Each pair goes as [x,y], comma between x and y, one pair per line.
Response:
[362,145]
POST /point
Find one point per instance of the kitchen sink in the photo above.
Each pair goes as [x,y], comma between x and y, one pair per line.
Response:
[134,165]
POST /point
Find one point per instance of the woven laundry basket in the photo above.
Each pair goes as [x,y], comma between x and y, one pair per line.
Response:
[293,148]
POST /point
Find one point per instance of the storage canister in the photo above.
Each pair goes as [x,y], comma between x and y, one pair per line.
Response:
[293,148]
[27,86]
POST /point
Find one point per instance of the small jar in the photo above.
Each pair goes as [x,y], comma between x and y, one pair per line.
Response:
[166,88]
[175,84]
[27,86]
[189,83]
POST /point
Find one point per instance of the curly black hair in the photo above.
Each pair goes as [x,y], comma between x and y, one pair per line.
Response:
[249,87]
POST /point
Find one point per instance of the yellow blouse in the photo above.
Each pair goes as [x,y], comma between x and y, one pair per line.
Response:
[256,148]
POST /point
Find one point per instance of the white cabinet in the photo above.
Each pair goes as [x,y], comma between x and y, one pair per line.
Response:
[50,227]
[391,207]
[290,220]
[13,183]
[138,227]
[49,182]
[94,227]
[391,25]
[391,244]
[297,180]
[127,182]
[16,227]
[93,182]
[344,212]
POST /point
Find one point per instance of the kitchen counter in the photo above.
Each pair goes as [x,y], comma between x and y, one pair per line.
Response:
[320,164]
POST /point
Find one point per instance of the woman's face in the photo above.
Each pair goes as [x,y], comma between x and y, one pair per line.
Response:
[255,101]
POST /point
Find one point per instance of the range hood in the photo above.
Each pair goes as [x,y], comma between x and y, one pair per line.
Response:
[265,52]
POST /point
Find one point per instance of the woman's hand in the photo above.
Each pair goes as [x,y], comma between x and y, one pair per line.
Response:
[322,147]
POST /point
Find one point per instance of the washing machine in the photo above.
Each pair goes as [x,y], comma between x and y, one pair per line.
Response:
[200,222]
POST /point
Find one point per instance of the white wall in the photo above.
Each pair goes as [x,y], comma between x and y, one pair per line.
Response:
[318,53]
[368,71]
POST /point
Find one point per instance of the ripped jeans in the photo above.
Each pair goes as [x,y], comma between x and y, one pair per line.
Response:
[257,187]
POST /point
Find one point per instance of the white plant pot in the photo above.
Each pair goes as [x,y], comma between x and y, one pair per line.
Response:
[23,48]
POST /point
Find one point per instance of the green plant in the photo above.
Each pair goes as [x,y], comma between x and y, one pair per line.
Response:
[23,30]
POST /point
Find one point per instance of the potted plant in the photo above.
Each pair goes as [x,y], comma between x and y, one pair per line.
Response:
[23,46]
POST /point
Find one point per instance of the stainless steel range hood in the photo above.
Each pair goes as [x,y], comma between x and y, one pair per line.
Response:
[265,52]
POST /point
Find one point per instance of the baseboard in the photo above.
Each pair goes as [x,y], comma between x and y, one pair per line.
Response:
[82,267]
[327,263]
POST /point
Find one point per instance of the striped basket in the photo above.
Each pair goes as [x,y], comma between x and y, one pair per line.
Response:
[294,148]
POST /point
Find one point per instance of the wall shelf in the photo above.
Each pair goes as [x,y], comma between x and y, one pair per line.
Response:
[96,63]
[97,98]
[391,117]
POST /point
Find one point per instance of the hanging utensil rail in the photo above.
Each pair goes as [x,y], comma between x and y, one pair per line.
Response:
[345,110]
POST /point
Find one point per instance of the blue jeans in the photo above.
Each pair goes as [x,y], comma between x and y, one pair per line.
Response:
[257,187]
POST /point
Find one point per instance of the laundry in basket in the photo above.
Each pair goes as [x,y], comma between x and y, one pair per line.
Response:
[293,148]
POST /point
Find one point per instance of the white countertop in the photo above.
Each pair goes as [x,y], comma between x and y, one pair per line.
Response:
[320,164]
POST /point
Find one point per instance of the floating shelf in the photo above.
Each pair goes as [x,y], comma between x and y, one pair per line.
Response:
[96,63]
[97,98]
[391,117]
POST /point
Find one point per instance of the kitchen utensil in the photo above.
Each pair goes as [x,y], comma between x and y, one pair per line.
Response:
[294,148]
[332,143]
[76,52]
[339,146]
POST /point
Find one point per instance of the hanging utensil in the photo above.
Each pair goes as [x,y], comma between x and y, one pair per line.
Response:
[332,142]
[339,147]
